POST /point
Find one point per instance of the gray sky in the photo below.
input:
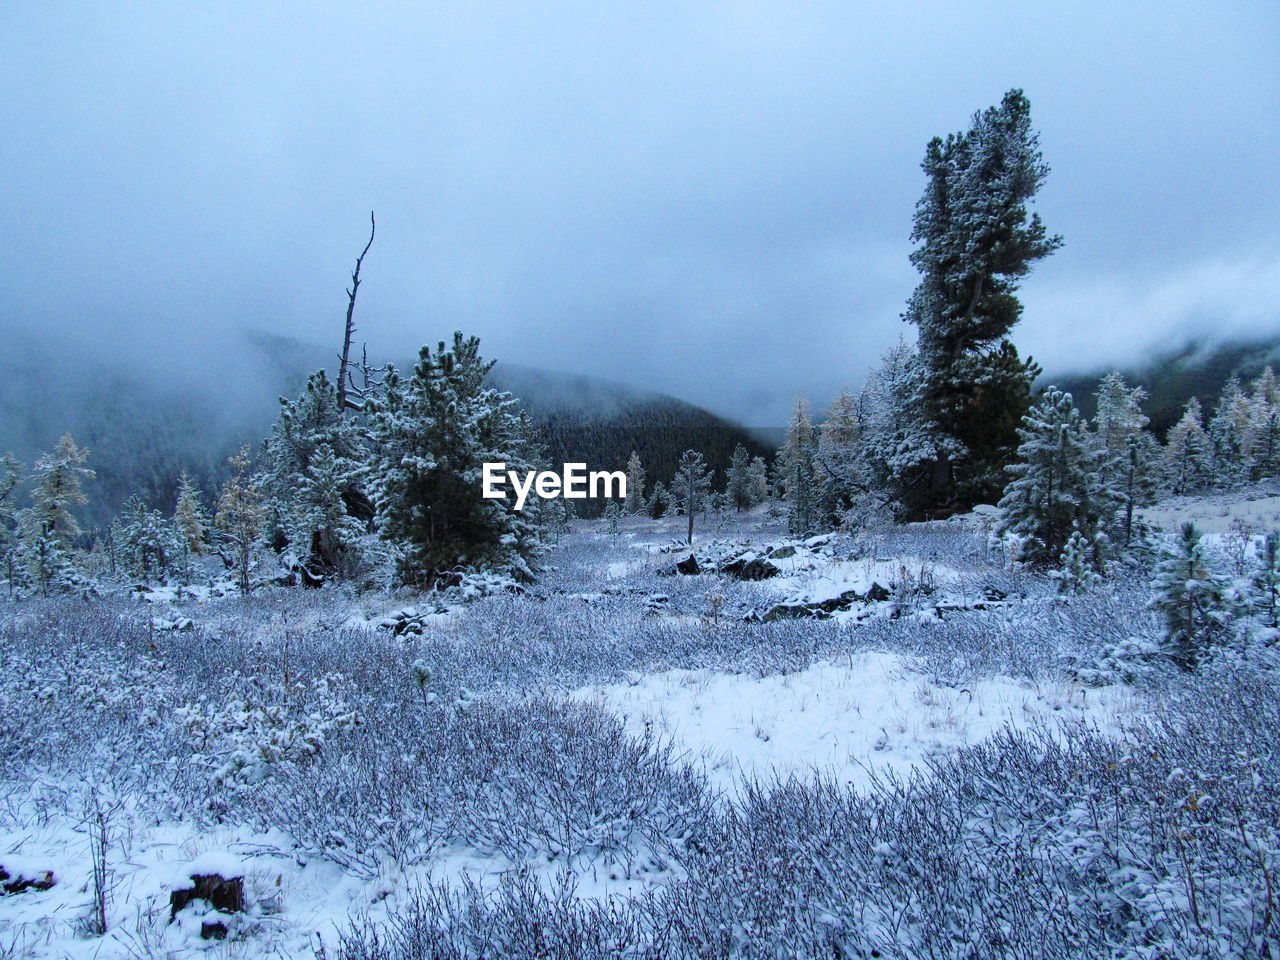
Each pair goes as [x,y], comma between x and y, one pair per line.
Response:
[712,199]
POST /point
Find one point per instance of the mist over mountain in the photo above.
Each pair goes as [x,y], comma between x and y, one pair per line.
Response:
[1197,368]
[144,427]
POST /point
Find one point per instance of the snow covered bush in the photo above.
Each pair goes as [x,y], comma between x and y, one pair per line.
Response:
[243,740]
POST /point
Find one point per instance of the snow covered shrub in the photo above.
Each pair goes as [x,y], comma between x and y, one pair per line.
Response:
[242,740]
[509,778]
[520,918]
[1125,661]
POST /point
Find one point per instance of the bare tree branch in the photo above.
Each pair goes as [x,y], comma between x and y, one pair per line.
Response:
[343,403]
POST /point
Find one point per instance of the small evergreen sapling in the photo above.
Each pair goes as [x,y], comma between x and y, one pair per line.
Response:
[242,516]
[1190,597]
[191,518]
[635,485]
[146,543]
[1077,572]
[691,485]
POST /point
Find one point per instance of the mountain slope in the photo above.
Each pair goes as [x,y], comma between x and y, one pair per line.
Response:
[143,428]
[1196,369]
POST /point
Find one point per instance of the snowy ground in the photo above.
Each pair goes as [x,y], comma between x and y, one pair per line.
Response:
[920,669]
[1257,508]
[872,711]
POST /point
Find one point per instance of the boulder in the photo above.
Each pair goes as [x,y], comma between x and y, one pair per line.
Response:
[689,566]
[750,567]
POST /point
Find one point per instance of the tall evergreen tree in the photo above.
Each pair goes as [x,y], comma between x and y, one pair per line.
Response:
[839,461]
[50,527]
[797,469]
[1059,487]
[1228,430]
[975,242]
[1130,451]
[758,480]
[431,434]
[738,479]
[1188,463]
[10,477]
[1261,446]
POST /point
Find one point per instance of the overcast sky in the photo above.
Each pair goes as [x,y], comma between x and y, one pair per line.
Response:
[712,199]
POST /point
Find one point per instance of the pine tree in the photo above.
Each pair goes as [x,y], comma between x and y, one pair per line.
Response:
[1059,487]
[1264,583]
[758,480]
[635,485]
[145,542]
[659,501]
[190,518]
[242,516]
[1190,597]
[839,460]
[50,528]
[900,450]
[431,433]
[1130,451]
[10,477]
[1187,453]
[1261,446]
[975,243]
[57,490]
[739,480]
[314,479]
[802,488]
[1228,431]
[613,517]
[1077,571]
[690,486]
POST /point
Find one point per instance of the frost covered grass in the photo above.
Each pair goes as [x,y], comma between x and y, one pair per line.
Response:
[624,762]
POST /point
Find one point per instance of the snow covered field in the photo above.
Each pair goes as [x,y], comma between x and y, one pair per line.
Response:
[844,720]
[631,761]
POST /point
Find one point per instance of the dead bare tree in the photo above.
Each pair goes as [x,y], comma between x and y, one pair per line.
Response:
[345,403]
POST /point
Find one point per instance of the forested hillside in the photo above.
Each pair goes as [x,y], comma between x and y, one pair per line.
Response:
[1195,369]
[144,430]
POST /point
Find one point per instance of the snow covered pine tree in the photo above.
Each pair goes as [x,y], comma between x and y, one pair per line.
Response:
[1060,487]
[690,486]
[431,433]
[1190,597]
[976,242]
